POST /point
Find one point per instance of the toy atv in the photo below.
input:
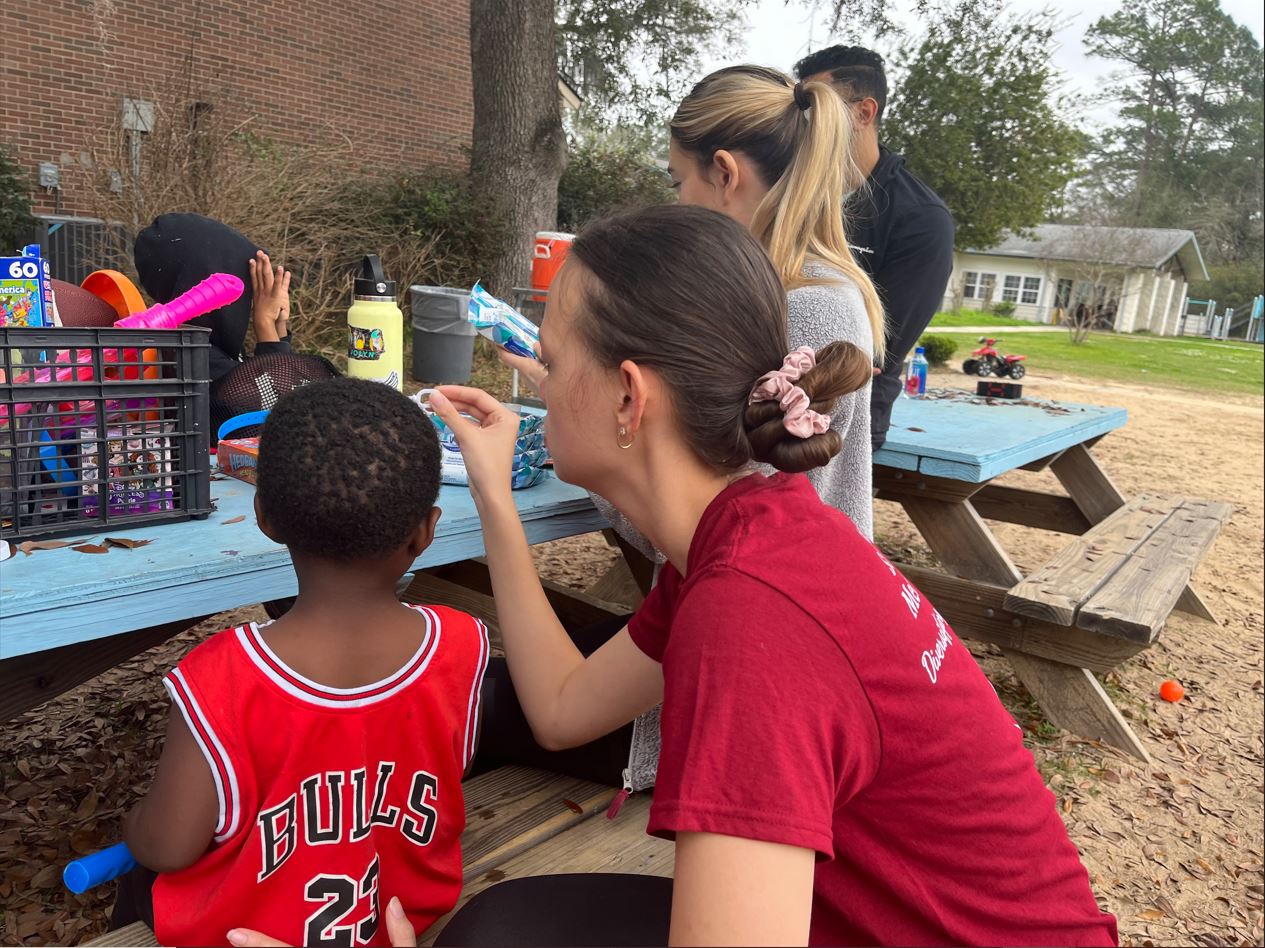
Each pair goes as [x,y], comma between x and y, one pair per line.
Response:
[986,361]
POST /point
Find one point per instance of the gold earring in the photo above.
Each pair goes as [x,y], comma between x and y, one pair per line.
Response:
[623,432]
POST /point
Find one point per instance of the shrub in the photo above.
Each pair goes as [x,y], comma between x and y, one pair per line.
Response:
[307,205]
[938,349]
[1004,309]
[604,175]
[16,222]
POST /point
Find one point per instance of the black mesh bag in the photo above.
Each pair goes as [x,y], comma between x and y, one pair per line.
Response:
[258,383]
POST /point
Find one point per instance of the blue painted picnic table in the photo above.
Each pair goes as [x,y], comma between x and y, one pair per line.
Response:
[965,438]
[54,598]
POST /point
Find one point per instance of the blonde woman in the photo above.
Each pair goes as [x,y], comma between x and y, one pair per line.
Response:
[774,155]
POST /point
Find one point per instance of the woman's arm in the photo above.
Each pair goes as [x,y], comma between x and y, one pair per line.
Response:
[174,823]
[568,700]
[734,891]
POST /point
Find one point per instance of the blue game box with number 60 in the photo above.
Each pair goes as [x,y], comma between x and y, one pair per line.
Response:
[26,290]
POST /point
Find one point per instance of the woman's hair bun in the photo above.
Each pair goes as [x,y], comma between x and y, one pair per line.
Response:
[841,368]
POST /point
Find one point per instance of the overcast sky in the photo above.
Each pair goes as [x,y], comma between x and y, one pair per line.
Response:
[778,34]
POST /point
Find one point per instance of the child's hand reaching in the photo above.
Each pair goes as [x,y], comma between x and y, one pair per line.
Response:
[271,309]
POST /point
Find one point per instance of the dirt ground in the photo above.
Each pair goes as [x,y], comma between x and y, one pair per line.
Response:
[1174,849]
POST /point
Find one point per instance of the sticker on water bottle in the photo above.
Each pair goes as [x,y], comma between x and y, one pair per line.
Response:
[365,345]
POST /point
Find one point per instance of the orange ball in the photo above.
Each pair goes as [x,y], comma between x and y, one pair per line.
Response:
[1172,690]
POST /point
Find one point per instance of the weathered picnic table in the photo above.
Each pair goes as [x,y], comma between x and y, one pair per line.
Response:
[1102,599]
[67,616]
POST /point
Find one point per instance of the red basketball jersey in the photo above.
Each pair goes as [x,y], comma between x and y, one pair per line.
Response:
[332,800]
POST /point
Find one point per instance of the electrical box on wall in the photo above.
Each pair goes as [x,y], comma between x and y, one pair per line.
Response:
[49,175]
[138,115]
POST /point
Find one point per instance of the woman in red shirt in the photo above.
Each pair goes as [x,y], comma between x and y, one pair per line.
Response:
[836,768]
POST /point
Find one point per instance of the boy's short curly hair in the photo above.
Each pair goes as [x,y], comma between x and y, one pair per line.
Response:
[348,469]
[857,71]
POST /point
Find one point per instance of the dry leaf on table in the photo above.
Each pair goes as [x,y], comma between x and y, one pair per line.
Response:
[127,542]
[234,520]
[31,545]
[92,548]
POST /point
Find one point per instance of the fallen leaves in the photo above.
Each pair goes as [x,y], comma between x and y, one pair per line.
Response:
[91,548]
[30,546]
[234,520]
[128,543]
[573,806]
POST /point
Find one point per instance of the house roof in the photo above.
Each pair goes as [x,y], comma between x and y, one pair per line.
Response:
[1148,247]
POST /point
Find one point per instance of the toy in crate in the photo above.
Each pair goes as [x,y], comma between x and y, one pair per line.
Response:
[118,437]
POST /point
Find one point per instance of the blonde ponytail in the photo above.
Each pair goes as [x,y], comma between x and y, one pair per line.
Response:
[804,155]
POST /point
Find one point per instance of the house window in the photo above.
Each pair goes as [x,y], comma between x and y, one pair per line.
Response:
[978,286]
[1021,289]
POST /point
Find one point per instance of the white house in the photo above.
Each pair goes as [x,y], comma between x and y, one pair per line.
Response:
[1130,278]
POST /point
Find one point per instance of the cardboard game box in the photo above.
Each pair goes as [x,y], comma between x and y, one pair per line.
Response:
[26,290]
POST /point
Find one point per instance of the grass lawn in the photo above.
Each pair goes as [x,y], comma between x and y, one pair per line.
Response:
[1195,364]
[975,317]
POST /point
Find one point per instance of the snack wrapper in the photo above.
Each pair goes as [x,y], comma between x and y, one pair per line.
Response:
[501,323]
[452,470]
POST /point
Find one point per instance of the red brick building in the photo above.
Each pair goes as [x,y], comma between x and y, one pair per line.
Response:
[393,75]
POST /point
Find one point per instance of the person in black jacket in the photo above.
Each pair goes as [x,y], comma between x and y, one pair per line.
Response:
[899,229]
[178,251]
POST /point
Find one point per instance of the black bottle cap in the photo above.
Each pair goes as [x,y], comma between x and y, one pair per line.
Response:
[371,281]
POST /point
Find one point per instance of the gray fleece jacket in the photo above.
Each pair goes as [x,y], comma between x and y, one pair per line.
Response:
[818,314]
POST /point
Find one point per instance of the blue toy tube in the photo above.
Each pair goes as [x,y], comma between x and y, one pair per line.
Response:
[82,874]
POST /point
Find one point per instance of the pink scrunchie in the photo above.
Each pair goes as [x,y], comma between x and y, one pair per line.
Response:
[779,386]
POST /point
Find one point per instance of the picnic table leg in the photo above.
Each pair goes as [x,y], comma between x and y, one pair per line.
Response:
[1071,697]
[1098,498]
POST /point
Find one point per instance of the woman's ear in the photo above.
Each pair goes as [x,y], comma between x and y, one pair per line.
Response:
[634,389]
[726,174]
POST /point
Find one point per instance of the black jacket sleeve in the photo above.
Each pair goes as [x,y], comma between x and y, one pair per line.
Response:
[914,274]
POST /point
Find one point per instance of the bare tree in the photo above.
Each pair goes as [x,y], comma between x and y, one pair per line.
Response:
[1089,257]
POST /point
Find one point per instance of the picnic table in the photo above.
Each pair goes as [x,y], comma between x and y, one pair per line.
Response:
[66,616]
[1100,600]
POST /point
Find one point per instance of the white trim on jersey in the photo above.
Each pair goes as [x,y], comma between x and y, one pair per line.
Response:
[323,696]
[216,757]
[472,708]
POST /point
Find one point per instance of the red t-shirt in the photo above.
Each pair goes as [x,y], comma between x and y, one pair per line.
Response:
[331,800]
[813,697]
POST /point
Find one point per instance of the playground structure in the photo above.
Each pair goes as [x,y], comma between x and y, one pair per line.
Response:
[1200,318]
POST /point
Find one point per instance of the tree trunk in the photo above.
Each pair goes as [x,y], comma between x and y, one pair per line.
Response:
[519,148]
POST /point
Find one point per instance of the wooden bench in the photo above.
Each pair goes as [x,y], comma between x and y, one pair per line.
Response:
[520,822]
[1124,576]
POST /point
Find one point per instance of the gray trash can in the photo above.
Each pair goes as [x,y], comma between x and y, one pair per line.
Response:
[443,338]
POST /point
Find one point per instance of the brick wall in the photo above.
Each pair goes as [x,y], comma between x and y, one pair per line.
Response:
[393,75]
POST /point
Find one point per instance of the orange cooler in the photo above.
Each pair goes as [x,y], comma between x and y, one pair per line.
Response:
[551,250]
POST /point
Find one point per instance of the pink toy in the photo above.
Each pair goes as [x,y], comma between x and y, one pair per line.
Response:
[219,289]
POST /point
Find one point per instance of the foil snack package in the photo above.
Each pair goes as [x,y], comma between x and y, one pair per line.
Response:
[501,323]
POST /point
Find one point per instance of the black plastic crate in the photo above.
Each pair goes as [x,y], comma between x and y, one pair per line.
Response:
[102,429]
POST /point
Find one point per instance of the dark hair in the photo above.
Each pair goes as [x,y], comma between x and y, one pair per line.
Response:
[857,71]
[691,294]
[348,469]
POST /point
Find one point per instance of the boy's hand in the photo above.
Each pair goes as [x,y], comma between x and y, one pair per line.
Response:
[487,442]
[399,930]
[271,309]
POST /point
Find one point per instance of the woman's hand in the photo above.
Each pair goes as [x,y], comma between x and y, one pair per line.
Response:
[487,442]
[270,311]
[399,930]
[533,370]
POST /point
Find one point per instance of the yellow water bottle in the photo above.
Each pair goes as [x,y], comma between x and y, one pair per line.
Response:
[375,328]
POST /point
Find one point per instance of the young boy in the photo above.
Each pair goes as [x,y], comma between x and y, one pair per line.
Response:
[313,766]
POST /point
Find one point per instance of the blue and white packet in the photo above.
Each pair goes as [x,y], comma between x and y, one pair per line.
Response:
[501,323]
